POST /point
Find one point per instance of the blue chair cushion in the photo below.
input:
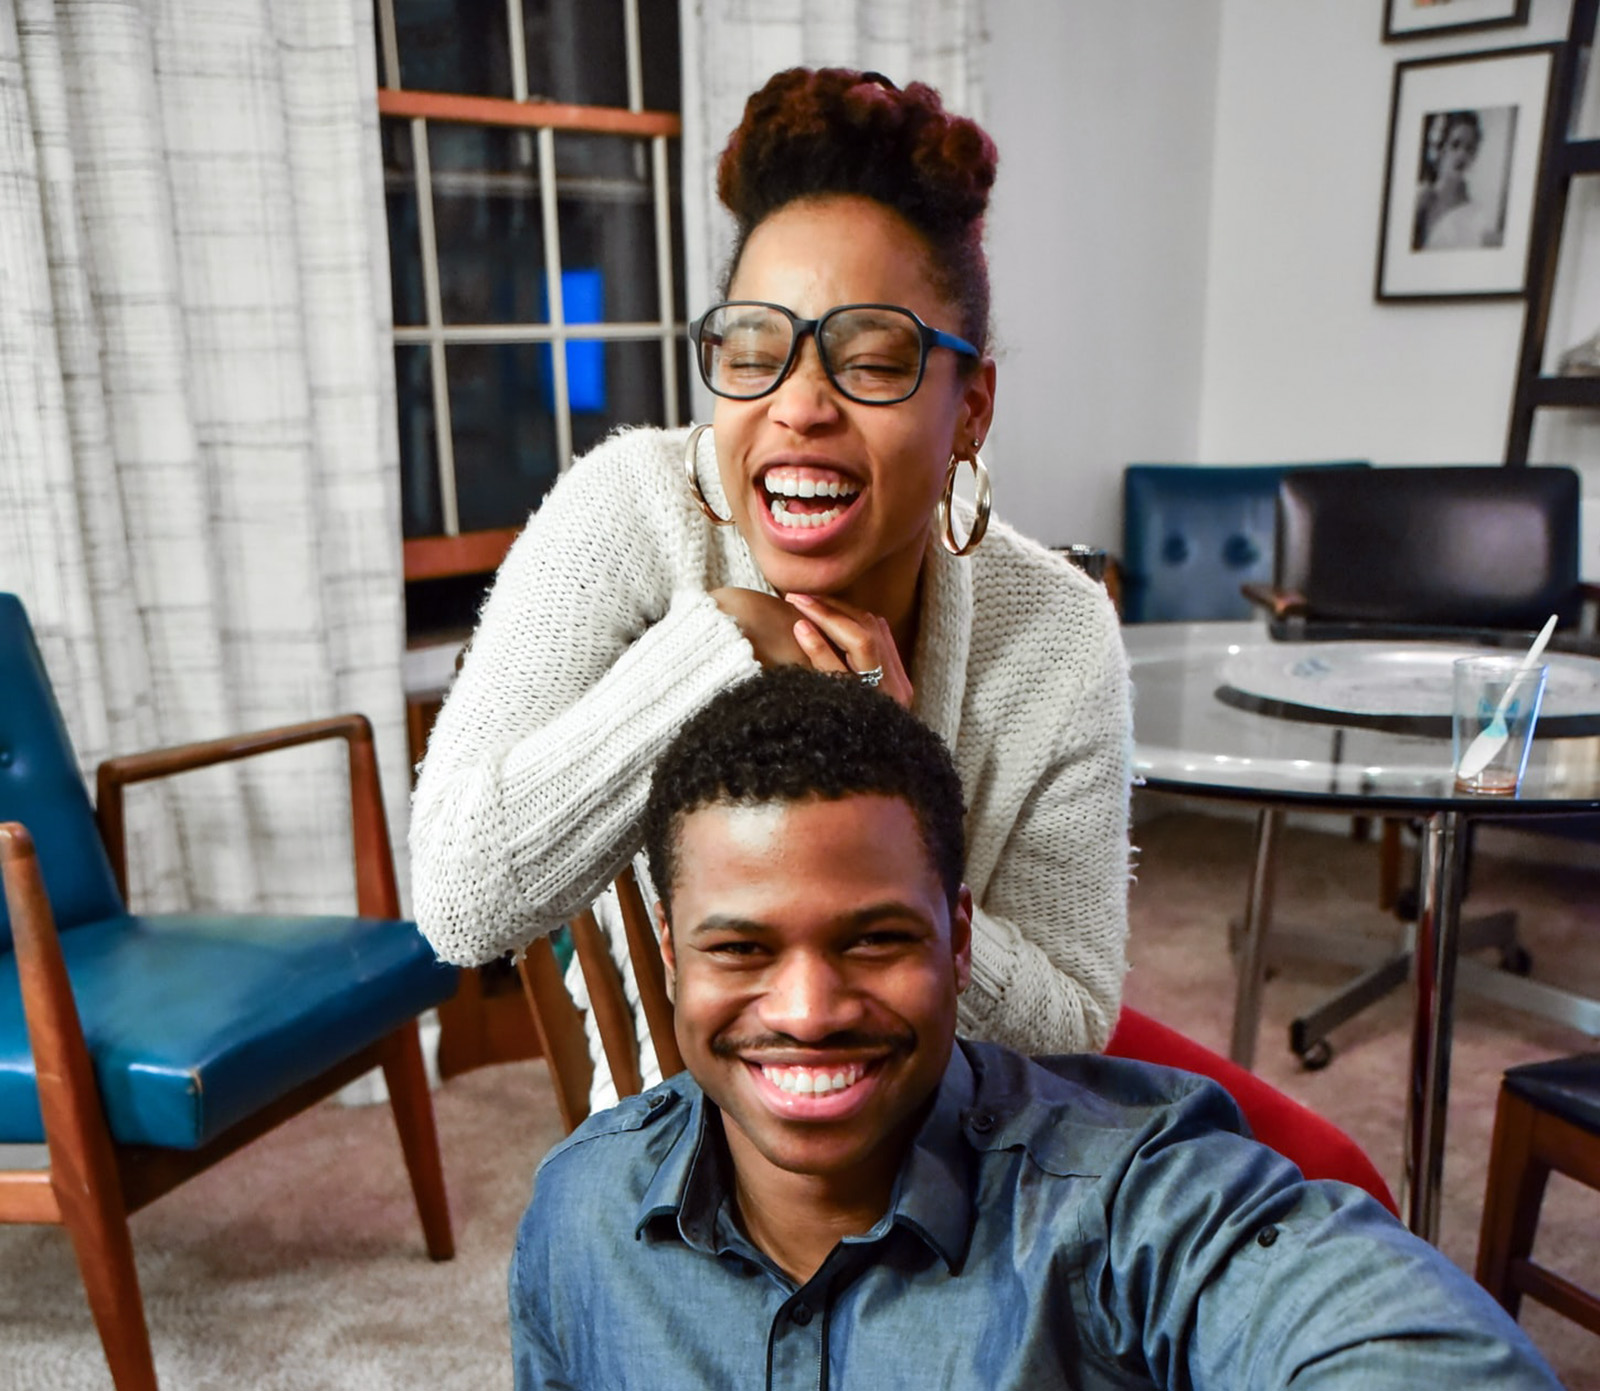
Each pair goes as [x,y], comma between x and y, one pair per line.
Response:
[1566,1087]
[1193,533]
[197,1021]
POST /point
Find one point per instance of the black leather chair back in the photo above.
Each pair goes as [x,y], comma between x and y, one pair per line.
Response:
[1480,547]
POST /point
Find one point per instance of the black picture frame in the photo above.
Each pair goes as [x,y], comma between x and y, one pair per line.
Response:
[1422,19]
[1467,133]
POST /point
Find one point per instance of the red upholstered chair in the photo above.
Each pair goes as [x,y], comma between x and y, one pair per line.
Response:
[1315,1145]
[1318,1147]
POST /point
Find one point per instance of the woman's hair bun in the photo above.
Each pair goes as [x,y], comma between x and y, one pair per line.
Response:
[836,130]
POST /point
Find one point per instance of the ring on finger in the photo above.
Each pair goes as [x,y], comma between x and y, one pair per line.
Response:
[871,678]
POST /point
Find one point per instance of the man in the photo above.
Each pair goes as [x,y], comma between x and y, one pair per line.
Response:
[839,1193]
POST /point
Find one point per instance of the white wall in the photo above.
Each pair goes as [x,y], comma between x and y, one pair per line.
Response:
[1102,111]
[1299,359]
[1183,243]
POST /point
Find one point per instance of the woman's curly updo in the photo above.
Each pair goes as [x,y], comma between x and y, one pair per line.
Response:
[807,134]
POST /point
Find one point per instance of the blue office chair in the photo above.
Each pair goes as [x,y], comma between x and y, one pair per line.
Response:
[1192,534]
[142,1050]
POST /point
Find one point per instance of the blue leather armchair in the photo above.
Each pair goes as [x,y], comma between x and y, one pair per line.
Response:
[1192,534]
[141,1050]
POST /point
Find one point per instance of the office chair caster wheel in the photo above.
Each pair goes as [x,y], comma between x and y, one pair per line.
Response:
[1516,960]
[1316,1055]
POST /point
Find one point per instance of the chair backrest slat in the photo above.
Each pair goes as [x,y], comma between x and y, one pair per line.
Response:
[559,1022]
[40,785]
[649,972]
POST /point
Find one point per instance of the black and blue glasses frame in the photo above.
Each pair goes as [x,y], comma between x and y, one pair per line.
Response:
[929,338]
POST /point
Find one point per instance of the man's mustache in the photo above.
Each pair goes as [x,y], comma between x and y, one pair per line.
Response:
[846,1040]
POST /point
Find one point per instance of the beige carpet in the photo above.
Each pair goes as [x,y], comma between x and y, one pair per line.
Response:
[300,1264]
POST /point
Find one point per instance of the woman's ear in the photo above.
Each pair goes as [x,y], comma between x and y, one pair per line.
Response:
[977,410]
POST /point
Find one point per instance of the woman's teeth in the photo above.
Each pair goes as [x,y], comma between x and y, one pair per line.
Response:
[794,498]
[780,486]
[784,517]
[812,1081]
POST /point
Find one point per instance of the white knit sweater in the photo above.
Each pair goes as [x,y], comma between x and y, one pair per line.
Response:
[600,638]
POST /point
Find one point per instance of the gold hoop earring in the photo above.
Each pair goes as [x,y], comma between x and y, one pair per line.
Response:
[690,451]
[982,502]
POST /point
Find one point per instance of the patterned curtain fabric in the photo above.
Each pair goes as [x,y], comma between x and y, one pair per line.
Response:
[731,47]
[198,480]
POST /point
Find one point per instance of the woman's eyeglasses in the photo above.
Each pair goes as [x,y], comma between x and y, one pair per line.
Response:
[873,353]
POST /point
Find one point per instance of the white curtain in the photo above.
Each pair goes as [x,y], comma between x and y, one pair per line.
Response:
[198,481]
[731,47]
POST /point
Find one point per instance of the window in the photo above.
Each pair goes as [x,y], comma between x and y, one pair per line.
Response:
[531,170]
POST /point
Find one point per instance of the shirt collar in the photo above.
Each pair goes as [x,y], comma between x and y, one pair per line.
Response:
[932,1197]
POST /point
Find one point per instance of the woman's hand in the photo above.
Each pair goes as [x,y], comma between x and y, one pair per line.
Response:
[767,623]
[837,636]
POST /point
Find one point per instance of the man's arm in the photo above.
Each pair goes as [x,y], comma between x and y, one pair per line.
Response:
[535,1356]
[1225,1268]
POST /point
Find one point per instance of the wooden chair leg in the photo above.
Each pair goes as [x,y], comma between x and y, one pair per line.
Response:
[98,1228]
[1512,1198]
[84,1173]
[1390,854]
[412,1105]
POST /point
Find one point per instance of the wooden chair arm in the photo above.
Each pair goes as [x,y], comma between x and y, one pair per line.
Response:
[1280,603]
[377,894]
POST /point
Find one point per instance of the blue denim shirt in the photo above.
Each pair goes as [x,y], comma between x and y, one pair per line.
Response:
[1069,1222]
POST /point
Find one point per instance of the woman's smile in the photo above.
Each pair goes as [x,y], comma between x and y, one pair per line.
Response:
[804,506]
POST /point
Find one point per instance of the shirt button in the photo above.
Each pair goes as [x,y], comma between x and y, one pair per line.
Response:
[658,1101]
[1266,1236]
[982,1123]
[801,1314]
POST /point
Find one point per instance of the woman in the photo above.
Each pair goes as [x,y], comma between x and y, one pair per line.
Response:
[1448,216]
[812,526]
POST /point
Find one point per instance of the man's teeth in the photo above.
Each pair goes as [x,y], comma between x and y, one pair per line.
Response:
[784,517]
[812,1081]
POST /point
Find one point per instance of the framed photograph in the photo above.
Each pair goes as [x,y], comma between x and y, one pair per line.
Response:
[1465,134]
[1416,19]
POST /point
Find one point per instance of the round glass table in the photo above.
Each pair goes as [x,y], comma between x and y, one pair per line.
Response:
[1223,711]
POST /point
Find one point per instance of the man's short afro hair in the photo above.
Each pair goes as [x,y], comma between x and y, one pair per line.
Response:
[790,734]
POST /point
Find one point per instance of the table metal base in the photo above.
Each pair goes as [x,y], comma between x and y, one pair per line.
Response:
[1433,983]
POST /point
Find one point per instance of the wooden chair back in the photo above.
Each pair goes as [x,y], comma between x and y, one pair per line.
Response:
[559,1022]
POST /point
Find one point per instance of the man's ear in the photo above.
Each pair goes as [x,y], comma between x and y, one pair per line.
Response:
[668,960]
[961,937]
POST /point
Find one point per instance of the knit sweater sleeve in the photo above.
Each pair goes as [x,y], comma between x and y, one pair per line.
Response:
[597,641]
[1050,921]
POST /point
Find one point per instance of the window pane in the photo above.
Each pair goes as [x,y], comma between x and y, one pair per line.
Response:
[503,425]
[488,224]
[405,246]
[577,50]
[606,214]
[454,46]
[631,372]
[420,511]
[659,51]
[675,197]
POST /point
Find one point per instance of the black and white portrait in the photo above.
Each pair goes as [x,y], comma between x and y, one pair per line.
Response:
[1463,173]
[1465,131]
